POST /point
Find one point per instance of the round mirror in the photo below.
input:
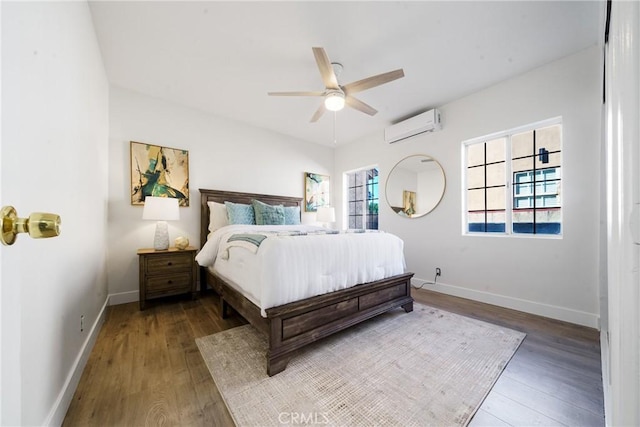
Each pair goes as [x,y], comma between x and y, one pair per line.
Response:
[415,186]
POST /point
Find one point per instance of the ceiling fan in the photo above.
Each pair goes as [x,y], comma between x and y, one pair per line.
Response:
[336,95]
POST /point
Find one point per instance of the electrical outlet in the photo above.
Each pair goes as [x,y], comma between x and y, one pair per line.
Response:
[82,323]
[438,272]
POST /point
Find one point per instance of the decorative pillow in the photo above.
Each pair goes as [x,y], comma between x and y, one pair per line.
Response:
[239,213]
[217,216]
[292,215]
[268,214]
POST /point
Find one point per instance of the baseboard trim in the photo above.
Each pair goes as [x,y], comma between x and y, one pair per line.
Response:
[61,405]
[554,312]
[605,356]
[124,297]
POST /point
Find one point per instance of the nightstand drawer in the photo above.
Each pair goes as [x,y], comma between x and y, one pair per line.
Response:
[169,284]
[162,264]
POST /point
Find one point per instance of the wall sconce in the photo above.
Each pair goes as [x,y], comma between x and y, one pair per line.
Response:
[326,215]
[161,209]
[39,225]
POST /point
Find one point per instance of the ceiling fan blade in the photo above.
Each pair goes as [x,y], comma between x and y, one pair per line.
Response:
[373,81]
[316,93]
[319,112]
[360,106]
[326,69]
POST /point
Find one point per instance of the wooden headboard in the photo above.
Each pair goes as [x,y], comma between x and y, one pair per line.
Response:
[235,197]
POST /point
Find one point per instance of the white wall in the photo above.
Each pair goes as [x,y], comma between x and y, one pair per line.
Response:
[552,277]
[621,339]
[1,287]
[54,158]
[223,155]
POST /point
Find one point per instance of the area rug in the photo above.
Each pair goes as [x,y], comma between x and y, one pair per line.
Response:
[427,367]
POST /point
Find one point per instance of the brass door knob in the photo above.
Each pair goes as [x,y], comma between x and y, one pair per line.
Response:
[39,225]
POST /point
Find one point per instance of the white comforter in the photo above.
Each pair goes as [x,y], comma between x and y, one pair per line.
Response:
[290,268]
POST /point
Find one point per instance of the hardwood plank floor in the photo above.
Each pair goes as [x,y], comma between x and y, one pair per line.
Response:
[555,377]
[145,368]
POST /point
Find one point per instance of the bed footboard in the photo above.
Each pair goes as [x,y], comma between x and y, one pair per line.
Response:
[294,325]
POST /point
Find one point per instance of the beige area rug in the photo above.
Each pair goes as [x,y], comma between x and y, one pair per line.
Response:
[427,367]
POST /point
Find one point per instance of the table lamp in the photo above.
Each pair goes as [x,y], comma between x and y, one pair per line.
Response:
[161,209]
[326,214]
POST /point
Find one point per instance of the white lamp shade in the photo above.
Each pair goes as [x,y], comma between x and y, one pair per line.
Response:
[334,101]
[326,214]
[161,209]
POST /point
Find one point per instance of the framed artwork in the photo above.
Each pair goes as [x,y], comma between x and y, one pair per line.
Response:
[409,202]
[316,191]
[159,171]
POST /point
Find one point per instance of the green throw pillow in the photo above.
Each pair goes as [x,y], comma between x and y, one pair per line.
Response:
[268,214]
[239,213]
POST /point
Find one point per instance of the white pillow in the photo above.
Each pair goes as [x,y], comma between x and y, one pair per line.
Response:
[217,216]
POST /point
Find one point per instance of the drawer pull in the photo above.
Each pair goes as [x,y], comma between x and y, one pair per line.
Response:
[169,281]
[169,263]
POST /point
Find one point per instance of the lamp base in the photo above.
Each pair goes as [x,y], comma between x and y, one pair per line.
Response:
[161,238]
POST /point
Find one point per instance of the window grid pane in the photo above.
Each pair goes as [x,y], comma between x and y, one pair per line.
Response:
[486,186]
[372,199]
[535,164]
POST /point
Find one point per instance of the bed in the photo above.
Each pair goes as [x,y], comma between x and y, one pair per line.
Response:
[296,324]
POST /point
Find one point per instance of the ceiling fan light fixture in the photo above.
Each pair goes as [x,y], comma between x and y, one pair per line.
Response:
[334,94]
[334,101]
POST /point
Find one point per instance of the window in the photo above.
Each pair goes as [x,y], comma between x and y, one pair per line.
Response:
[513,181]
[362,199]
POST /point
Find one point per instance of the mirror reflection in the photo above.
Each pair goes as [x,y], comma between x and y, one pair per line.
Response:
[415,186]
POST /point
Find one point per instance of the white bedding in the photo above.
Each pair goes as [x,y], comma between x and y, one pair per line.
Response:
[290,268]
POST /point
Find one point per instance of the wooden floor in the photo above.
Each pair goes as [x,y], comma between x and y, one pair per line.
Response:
[145,368]
[555,377]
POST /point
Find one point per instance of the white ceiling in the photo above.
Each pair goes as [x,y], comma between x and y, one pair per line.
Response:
[223,57]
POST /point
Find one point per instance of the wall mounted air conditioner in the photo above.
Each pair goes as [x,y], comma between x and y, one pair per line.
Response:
[429,121]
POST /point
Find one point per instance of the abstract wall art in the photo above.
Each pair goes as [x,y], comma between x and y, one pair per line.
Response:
[160,172]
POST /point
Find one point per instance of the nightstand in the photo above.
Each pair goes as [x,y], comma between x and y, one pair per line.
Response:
[170,272]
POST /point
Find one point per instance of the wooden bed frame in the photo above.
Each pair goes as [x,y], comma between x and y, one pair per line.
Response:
[292,326]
